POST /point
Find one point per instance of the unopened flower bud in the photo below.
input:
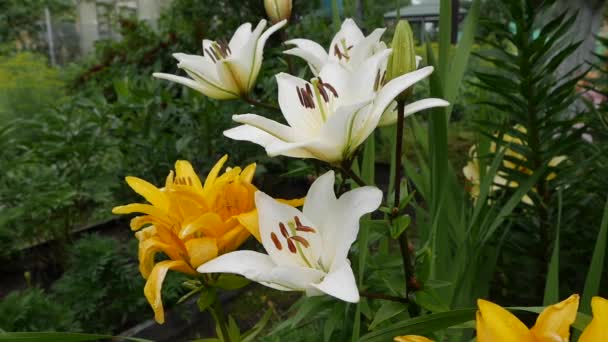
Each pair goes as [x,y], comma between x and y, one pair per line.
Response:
[278,10]
[403,58]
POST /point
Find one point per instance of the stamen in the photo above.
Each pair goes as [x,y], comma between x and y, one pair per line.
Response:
[331,88]
[283,230]
[291,246]
[383,79]
[276,241]
[211,55]
[350,47]
[337,51]
[301,240]
[189,181]
[302,228]
[377,80]
[300,95]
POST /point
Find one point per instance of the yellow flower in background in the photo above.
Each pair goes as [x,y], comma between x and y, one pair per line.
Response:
[495,323]
[191,222]
[411,338]
[597,329]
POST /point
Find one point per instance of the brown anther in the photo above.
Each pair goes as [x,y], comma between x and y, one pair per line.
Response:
[276,241]
[322,92]
[189,181]
[308,90]
[291,246]
[383,79]
[337,51]
[297,221]
[283,230]
[298,90]
[306,229]
[301,240]
[331,88]
[377,80]
[350,47]
[211,54]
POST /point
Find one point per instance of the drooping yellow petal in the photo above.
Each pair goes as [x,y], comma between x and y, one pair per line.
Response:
[139,221]
[153,287]
[147,250]
[209,224]
[201,250]
[145,233]
[250,221]
[148,191]
[556,319]
[142,208]
[494,323]
[185,175]
[214,172]
[248,173]
[411,338]
[597,330]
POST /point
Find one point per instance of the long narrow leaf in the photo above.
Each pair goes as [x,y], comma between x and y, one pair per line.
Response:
[552,283]
[594,275]
[61,336]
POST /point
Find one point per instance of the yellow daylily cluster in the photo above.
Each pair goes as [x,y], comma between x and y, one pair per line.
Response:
[190,222]
[496,324]
[471,171]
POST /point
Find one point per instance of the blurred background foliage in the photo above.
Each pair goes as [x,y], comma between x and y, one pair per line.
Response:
[69,135]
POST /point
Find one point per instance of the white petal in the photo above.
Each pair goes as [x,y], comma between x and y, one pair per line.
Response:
[239,38]
[259,51]
[341,230]
[310,51]
[280,131]
[264,139]
[349,35]
[317,148]
[340,283]
[295,278]
[308,121]
[251,265]
[320,199]
[418,60]
[338,77]
[365,47]
[341,130]
[204,88]
[272,214]
[231,77]
[390,117]
[363,81]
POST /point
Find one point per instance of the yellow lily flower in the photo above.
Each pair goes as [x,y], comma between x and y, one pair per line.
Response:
[411,338]
[495,323]
[191,222]
[596,330]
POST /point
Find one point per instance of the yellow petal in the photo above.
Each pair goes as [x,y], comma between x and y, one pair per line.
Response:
[247,173]
[232,239]
[178,250]
[201,250]
[147,250]
[151,193]
[497,324]
[139,221]
[169,180]
[145,233]
[142,208]
[296,202]
[214,172]
[597,329]
[209,224]
[153,287]
[411,338]
[556,319]
[185,175]
[250,221]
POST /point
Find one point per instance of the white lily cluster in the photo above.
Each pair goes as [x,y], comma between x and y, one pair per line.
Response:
[332,115]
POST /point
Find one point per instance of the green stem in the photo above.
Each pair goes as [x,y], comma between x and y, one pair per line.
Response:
[346,169]
[218,314]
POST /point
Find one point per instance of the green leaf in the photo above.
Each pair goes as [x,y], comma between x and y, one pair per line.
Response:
[429,300]
[388,310]
[234,333]
[231,282]
[421,325]
[594,275]
[257,328]
[552,284]
[400,224]
[207,298]
[61,336]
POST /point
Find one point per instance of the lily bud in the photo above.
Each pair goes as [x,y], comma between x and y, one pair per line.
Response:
[403,58]
[278,10]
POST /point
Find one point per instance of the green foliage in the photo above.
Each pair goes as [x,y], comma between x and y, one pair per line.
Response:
[35,310]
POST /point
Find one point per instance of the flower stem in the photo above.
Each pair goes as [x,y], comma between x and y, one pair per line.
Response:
[408,266]
[346,169]
[261,104]
[218,314]
[384,297]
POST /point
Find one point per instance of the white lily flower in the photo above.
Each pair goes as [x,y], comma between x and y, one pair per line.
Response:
[226,70]
[331,116]
[349,47]
[308,250]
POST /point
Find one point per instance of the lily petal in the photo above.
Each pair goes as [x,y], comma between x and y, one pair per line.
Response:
[340,283]
[321,199]
[411,338]
[390,117]
[280,131]
[259,51]
[264,139]
[555,320]
[298,117]
[153,287]
[148,191]
[204,87]
[201,250]
[365,47]
[310,51]
[497,324]
[596,330]
[239,38]
[184,170]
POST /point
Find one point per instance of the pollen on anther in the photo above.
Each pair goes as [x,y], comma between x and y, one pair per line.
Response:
[301,240]
[276,241]
[291,246]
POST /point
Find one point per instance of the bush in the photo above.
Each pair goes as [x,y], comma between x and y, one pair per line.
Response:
[34,310]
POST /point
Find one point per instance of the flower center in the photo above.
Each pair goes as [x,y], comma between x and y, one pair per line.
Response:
[321,91]
[380,80]
[296,244]
[342,53]
[218,50]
